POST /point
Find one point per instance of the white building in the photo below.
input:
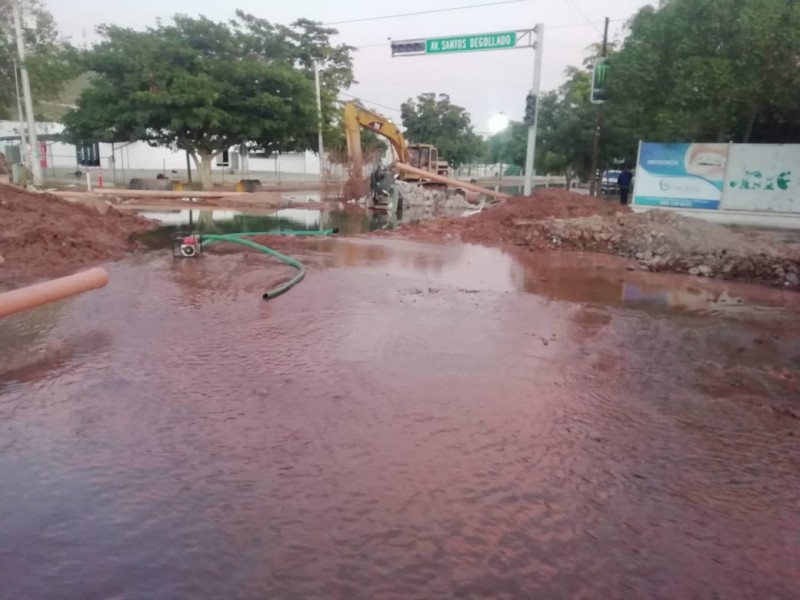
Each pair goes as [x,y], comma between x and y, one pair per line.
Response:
[124,161]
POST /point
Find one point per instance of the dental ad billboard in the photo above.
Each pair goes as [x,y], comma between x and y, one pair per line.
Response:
[680,175]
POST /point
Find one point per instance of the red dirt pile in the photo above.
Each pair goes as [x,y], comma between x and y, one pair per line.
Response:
[517,214]
[659,240]
[508,222]
[42,235]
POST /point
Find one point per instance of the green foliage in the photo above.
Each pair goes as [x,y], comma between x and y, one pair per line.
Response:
[336,144]
[689,70]
[509,146]
[566,127]
[51,61]
[204,86]
[711,70]
[435,120]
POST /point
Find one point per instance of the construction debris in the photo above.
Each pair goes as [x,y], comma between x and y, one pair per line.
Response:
[436,199]
[667,241]
[658,240]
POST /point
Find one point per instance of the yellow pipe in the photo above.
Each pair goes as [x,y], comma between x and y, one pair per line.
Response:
[49,291]
[450,182]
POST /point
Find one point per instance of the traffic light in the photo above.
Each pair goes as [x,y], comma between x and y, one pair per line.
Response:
[530,108]
[599,93]
[408,47]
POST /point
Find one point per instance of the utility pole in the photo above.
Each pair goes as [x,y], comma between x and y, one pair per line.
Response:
[319,124]
[537,81]
[24,156]
[188,169]
[601,113]
[36,167]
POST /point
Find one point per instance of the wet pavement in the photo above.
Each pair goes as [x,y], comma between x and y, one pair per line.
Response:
[412,421]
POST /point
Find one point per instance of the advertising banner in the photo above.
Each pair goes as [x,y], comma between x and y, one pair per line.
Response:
[680,175]
[764,178]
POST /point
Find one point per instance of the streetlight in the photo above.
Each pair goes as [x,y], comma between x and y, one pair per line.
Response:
[498,123]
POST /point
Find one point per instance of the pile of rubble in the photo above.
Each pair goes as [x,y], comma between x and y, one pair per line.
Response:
[433,198]
[658,240]
[667,241]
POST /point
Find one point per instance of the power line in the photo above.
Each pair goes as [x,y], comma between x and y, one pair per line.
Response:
[367,100]
[574,5]
[584,24]
[426,12]
[549,28]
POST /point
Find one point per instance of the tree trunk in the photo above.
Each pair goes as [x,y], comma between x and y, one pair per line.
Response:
[202,160]
[205,169]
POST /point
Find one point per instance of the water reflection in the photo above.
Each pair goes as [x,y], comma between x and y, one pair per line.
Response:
[395,427]
[347,219]
[232,221]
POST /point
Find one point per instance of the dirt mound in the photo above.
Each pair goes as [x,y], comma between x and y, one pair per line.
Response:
[42,235]
[659,240]
[502,223]
[505,222]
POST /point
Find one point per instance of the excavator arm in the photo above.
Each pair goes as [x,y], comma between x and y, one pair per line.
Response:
[357,116]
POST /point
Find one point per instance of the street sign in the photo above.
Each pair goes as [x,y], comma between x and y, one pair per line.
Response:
[599,93]
[471,43]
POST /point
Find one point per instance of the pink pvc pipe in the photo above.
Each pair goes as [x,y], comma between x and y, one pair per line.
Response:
[56,289]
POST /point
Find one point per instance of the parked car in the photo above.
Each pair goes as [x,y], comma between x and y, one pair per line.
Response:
[608,182]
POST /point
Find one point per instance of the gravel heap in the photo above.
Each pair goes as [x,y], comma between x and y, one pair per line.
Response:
[667,241]
[415,195]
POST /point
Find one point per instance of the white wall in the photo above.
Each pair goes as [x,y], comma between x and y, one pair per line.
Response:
[763,177]
[295,162]
[140,156]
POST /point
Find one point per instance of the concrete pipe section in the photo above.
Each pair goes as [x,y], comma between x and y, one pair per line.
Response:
[450,182]
[49,291]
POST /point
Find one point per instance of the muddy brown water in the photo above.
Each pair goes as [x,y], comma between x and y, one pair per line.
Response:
[412,421]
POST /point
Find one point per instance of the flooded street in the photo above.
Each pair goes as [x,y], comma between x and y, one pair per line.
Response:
[411,421]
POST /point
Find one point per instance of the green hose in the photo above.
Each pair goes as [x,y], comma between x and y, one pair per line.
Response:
[238,238]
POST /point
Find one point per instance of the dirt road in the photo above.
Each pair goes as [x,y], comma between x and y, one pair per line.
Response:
[412,421]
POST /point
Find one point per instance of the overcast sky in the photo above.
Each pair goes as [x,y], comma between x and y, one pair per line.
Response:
[483,82]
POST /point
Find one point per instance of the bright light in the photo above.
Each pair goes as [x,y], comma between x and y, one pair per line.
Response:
[498,123]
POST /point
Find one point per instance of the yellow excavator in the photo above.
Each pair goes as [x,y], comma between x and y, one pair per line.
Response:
[422,156]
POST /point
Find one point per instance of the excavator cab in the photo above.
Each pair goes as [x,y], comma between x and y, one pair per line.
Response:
[422,156]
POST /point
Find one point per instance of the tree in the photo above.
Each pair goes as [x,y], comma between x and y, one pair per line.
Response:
[336,143]
[565,133]
[435,120]
[711,70]
[204,87]
[51,60]
[510,145]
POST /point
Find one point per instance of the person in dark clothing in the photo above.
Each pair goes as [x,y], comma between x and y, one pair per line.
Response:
[624,184]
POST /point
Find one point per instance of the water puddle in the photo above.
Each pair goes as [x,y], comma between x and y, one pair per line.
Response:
[413,420]
[342,218]
[564,276]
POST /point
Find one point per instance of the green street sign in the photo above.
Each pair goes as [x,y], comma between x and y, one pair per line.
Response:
[599,92]
[471,43]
